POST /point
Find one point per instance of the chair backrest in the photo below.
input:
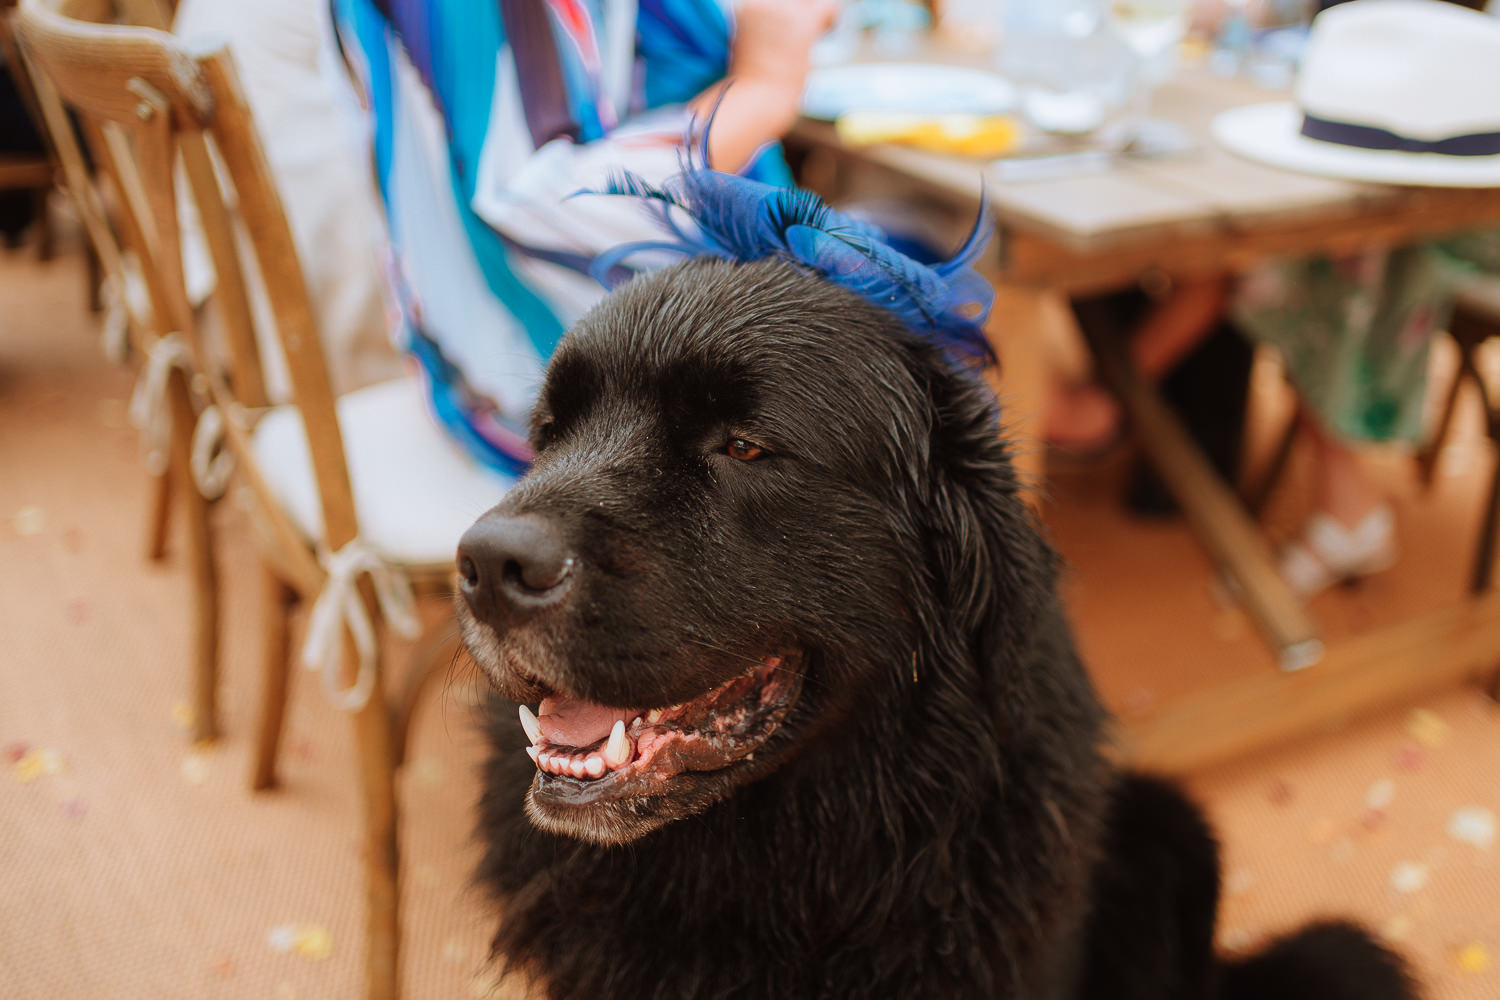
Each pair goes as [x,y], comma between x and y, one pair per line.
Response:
[85,187]
[145,102]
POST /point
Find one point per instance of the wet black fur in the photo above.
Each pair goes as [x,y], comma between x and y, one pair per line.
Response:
[936,818]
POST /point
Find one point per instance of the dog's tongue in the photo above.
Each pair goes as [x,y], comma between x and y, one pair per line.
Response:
[573,723]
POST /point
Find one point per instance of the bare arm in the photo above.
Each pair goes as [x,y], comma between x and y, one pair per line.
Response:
[768,63]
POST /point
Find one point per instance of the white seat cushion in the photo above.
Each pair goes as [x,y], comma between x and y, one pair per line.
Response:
[415,490]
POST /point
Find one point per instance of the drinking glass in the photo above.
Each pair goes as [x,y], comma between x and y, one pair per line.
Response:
[1072,71]
[1152,29]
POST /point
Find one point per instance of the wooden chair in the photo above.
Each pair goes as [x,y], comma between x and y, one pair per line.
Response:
[350,497]
[138,323]
[1475,320]
[26,172]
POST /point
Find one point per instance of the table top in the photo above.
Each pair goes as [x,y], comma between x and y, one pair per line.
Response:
[1170,212]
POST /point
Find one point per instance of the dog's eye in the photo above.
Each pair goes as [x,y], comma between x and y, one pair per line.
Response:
[745,451]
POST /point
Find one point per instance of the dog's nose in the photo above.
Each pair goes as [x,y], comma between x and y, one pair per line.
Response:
[513,564]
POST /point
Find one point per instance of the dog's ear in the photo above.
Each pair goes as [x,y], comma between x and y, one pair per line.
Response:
[994,570]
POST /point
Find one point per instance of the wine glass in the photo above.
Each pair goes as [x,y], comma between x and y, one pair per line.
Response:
[1152,29]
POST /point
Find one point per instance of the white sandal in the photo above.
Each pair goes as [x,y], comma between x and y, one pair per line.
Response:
[1327,552]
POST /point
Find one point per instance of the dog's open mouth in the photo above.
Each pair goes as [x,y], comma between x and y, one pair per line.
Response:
[587,753]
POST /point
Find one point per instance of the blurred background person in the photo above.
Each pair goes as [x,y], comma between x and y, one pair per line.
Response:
[1353,334]
[491,116]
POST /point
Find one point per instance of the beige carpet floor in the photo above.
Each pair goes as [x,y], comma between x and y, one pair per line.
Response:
[133,865]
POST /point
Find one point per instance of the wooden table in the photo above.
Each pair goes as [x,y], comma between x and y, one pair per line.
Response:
[1202,213]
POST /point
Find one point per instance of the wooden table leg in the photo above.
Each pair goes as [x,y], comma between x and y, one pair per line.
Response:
[1018,329]
[1218,518]
[1385,666]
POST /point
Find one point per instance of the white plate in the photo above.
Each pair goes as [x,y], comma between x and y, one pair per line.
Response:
[918,88]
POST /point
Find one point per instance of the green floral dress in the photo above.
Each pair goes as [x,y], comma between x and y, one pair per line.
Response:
[1354,332]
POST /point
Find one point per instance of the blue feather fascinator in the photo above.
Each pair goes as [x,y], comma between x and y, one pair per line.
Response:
[737,218]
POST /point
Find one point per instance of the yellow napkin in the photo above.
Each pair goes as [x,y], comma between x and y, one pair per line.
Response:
[963,134]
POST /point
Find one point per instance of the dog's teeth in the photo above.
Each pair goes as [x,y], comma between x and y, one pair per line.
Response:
[653,716]
[531,725]
[534,753]
[617,750]
[577,768]
[594,765]
[637,722]
[543,760]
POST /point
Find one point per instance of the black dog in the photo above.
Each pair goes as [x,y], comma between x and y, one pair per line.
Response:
[812,722]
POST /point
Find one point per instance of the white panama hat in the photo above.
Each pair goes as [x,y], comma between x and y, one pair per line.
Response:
[1390,91]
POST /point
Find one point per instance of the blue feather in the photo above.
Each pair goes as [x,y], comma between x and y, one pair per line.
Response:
[737,218]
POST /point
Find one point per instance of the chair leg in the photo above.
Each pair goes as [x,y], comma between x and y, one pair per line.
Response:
[276,604]
[1427,457]
[203,572]
[159,514]
[1484,553]
[377,767]
[93,274]
[438,643]
[46,236]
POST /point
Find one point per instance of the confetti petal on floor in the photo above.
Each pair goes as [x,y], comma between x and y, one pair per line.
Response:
[1427,728]
[456,951]
[427,772]
[282,938]
[1234,940]
[1409,757]
[1473,825]
[313,941]
[302,749]
[223,966]
[1279,793]
[37,763]
[1380,795]
[195,768]
[1472,958]
[15,751]
[182,716]
[1398,928]
[29,522]
[74,808]
[1409,877]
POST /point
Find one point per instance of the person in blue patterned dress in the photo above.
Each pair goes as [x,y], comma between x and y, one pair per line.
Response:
[491,116]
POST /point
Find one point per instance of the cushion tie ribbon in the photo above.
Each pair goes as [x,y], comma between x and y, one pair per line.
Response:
[211,462]
[149,410]
[339,606]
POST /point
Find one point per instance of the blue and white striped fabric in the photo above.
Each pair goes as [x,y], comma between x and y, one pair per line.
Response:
[489,116]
